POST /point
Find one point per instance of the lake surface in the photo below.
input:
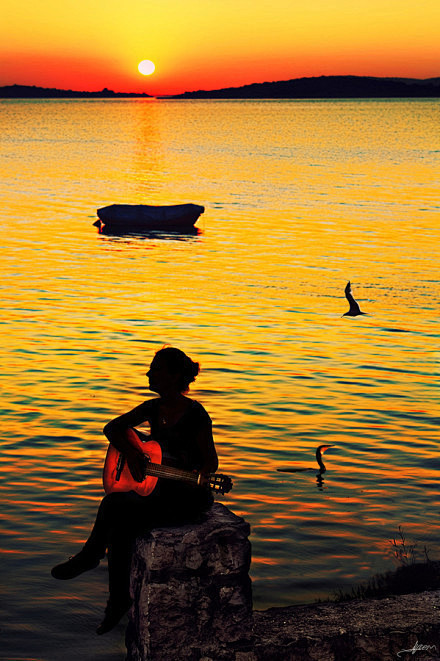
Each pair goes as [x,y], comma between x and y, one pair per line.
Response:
[300,197]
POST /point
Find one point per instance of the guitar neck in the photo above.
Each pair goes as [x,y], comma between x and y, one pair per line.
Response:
[159,470]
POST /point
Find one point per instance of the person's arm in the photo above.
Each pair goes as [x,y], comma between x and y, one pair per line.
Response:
[120,433]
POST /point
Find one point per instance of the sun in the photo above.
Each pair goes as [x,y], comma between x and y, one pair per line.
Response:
[146,67]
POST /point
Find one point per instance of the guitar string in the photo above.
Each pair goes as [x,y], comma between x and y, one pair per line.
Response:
[159,470]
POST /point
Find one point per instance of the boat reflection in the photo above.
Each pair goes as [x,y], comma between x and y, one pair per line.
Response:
[169,234]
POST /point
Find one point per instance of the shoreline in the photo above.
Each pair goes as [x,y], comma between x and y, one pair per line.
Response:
[373,629]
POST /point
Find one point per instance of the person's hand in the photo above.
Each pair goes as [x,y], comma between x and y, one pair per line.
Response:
[136,463]
[203,478]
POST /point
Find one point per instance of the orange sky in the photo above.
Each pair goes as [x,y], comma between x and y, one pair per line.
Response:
[83,45]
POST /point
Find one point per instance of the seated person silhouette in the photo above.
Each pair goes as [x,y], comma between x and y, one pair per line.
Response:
[183,429]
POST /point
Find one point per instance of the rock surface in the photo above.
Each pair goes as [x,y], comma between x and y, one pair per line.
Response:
[361,630]
[192,591]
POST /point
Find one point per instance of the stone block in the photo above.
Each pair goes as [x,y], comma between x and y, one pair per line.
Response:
[192,592]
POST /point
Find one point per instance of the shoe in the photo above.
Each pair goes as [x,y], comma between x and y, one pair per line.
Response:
[75,566]
[113,613]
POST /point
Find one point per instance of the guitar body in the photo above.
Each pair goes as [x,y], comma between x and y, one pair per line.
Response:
[117,476]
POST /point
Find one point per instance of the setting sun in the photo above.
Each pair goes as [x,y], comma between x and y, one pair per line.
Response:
[146,67]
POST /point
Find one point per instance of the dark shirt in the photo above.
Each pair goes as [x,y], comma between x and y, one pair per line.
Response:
[178,440]
[179,448]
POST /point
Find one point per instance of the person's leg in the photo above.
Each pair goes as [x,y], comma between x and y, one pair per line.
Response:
[95,547]
[122,518]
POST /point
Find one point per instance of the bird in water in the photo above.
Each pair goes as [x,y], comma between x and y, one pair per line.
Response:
[354,305]
[319,452]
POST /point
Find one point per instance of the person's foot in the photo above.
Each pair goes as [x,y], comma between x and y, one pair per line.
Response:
[113,613]
[75,566]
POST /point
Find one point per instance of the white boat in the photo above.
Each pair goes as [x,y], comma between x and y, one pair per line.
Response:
[145,217]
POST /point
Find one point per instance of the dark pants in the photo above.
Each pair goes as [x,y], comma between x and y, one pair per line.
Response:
[123,516]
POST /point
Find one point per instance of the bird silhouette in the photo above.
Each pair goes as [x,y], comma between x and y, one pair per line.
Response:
[319,452]
[354,306]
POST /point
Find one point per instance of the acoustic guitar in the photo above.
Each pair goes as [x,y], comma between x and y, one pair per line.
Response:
[117,475]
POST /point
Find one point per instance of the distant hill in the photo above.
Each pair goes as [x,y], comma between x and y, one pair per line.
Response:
[322,87]
[32,92]
[326,87]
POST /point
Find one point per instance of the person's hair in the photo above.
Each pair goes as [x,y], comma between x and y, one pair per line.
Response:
[179,363]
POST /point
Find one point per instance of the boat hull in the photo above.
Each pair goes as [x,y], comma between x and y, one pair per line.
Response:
[145,217]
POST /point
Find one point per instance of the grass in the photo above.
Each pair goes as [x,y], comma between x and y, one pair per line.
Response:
[410,576]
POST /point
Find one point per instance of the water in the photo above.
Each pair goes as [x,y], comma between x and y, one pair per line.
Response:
[300,196]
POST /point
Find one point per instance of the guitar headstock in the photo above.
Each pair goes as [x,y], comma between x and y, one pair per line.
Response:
[219,482]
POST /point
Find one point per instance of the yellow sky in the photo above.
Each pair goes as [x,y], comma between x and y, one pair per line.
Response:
[213,43]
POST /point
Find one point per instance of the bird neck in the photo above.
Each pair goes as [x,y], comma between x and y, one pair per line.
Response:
[319,460]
